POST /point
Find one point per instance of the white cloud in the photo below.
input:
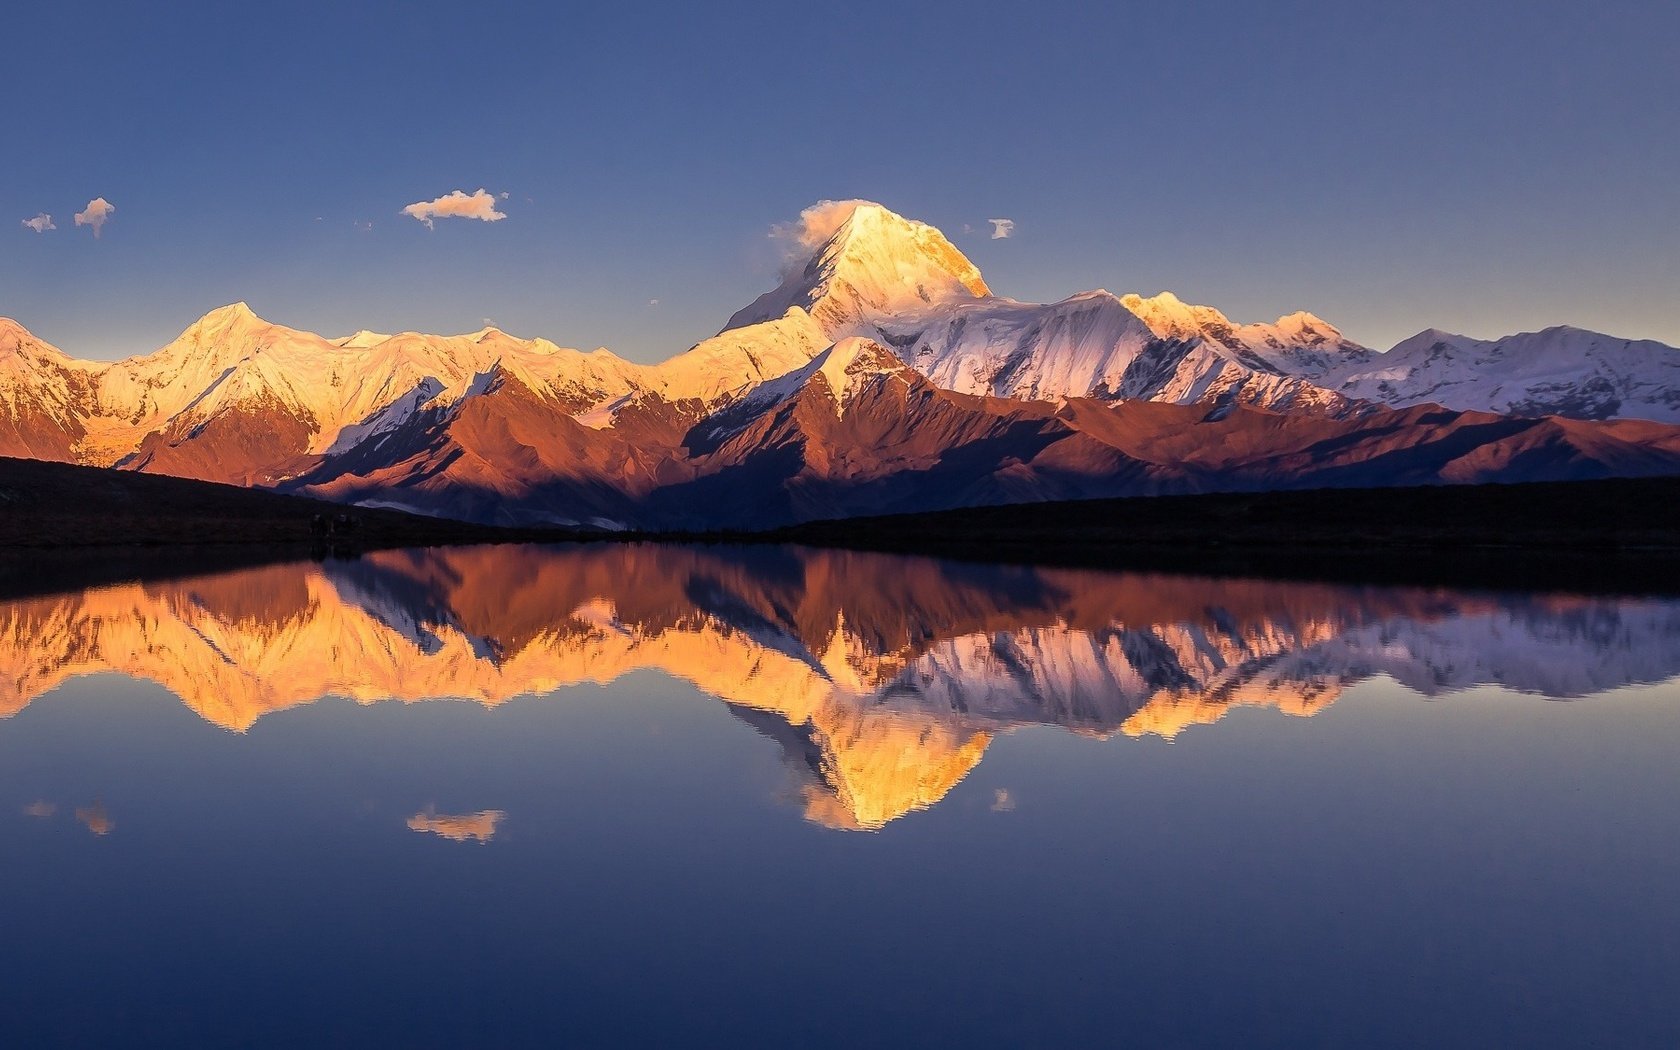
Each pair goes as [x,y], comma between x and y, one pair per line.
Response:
[457,204]
[98,211]
[40,223]
[459,827]
[815,225]
[1003,801]
[653,302]
[362,226]
[1001,228]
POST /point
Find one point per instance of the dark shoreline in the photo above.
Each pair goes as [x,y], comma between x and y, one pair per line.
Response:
[64,525]
[68,526]
[1608,536]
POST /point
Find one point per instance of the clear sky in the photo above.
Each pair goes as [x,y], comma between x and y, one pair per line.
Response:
[1479,167]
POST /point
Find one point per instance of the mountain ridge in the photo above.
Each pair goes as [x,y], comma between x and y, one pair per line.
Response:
[523,431]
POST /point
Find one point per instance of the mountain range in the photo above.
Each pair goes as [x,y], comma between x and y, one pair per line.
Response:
[883,679]
[881,375]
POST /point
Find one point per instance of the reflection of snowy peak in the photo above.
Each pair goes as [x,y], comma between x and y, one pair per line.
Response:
[1558,650]
[883,678]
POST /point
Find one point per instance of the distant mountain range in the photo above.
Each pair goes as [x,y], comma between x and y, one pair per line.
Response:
[882,375]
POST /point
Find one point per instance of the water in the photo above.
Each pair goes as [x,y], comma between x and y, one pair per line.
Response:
[517,796]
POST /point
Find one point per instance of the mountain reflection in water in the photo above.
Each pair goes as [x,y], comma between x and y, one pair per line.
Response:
[882,678]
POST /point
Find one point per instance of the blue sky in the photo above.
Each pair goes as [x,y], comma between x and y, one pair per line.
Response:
[1480,167]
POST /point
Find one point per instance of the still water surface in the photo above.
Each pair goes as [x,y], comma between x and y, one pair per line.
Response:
[673,796]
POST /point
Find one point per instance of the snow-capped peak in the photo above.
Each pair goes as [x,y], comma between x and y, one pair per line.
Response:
[1170,317]
[20,346]
[362,340]
[13,335]
[1430,337]
[850,362]
[239,309]
[875,265]
[234,314]
[233,329]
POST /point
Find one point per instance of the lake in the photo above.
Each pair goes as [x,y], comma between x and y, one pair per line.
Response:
[661,795]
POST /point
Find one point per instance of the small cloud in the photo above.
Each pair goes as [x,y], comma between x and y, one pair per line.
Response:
[968,227]
[653,302]
[41,809]
[40,223]
[457,204]
[98,211]
[464,827]
[1003,801]
[317,218]
[362,225]
[1002,228]
[96,819]
[488,322]
[504,195]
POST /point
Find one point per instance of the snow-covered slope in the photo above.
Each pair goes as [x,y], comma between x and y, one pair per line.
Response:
[1299,343]
[1091,345]
[45,397]
[840,373]
[1560,371]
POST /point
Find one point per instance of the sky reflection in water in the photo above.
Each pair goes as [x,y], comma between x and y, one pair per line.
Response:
[778,795]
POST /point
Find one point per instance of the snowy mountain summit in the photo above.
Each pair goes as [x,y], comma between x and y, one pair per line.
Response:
[875,266]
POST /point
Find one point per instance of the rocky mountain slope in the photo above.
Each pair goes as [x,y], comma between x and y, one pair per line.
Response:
[856,431]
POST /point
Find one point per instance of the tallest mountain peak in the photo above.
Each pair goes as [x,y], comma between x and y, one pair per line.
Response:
[857,261]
